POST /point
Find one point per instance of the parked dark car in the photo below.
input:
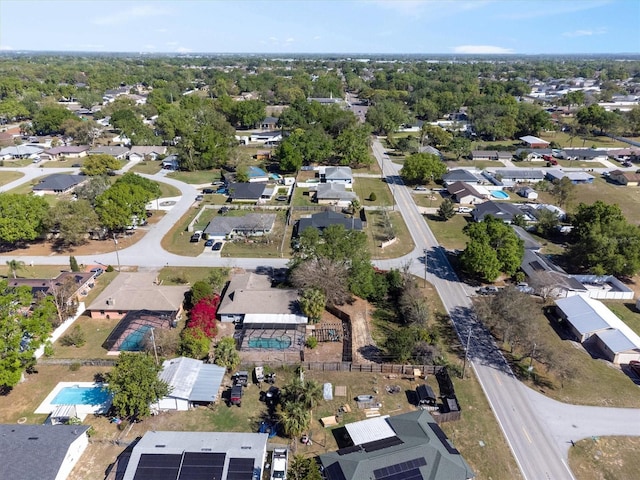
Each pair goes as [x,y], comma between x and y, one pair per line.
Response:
[235,397]
[217,247]
[97,271]
[76,165]
[634,365]
[487,290]
[195,238]
[241,378]
[223,210]
[208,243]
[199,198]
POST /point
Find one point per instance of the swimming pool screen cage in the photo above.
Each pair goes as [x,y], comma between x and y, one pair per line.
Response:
[130,333]
[255,331]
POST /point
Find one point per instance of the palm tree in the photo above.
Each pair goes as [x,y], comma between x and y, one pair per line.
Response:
[295,419]
[15,265]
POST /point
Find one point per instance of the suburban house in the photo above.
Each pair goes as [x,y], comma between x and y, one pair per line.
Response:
[630,179]
[42,452]
[502,211]
[62,152]
[463,192]
[534,142]
[250,298]
[592,323]
[430,150]
[249,225]
[268,138]
[334,194]
[528,193]
[192,382]
[197,455]
[21,151]
[622,154]
[410,446]
[171,163]
[341,175]
[246,191]
[58,183]
[117,152]
[141,152]
[584,154]
[322,220]
[83,282]
[461,175]
[575,177]
[268,123]
[256,174]
[484,155]
[511,176]
[131,291]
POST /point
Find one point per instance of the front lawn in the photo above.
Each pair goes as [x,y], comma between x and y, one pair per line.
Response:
[376,234]
[147,167]
[9,176]
[184,275]
[597,141]
[365,186]
[449,233]
[199,177]
[95,332]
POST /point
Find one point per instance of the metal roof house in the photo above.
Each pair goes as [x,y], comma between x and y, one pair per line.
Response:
[342,175]
[116,152]
[460,175]
[197,455]
[589,318]
[534,142]
[410,446]
[246,191]
[192,382]
[42,452]
[575,177]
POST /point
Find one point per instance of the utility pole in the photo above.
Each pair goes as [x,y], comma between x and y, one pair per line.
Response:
[466,352]
[115,243]
[426,264]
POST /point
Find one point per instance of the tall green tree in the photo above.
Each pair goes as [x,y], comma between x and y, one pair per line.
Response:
[446,210]
[135,384]
[387,116]
[118,206]
[422,168]
[564,191]
[352,147]
[22,217]
[49,120]
[226,354]
[312,303]
[72,221]
[99,164]
[15,265]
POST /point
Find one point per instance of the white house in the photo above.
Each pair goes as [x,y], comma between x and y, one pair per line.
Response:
[140,152]
[528,193]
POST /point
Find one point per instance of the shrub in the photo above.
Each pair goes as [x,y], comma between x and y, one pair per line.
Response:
[75,366]
[312,342]
[48,350]
[372,197]
[75,338]
[73,264]
[203,315]
[194,343]
[109,268]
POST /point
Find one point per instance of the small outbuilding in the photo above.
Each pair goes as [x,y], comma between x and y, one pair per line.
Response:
[192,382]
[534,142]
[528,193]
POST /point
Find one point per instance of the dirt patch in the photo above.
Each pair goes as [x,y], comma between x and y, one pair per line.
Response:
[364,349]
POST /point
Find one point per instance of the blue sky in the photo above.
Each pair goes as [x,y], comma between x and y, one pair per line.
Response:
[337,26]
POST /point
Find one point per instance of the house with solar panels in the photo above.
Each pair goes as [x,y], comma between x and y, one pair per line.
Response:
[410,446]
[197,455]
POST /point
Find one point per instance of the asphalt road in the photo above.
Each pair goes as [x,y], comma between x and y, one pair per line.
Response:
[534,450]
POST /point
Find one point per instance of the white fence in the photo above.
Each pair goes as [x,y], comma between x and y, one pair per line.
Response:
[58,332]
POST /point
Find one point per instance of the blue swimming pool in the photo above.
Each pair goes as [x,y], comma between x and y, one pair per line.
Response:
[94,395]
[135,340]
[500,194]
[275,343]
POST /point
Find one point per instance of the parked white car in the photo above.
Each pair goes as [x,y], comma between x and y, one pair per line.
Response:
[465,209]
[279,464]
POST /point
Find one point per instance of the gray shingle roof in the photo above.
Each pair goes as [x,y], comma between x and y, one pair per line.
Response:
[333,191]
[35,452]
[250,222]
[460,175]
[246,191]
[324,219]
[59,182]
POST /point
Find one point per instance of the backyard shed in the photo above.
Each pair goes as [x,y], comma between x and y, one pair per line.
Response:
[191,382]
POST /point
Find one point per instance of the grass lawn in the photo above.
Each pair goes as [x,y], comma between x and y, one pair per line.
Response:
[148,167]
[27,188]
[23,162]
[302,197]
[605,458]
[628,198]
[95,332]
[565,141]
[449,234]
[67,163]
[375,235]
[364,187]
[479,164]
[427,199]
[177,240]
[167,190]
[626,310]
[580,164]
[198,177]
[8,177]
[178,275]
[37,271]
[372,168]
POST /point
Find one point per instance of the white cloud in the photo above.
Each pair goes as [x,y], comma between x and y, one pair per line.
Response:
[5,47]
[585,33]
[131,14]
[183,50]
[481,49]
[162,30]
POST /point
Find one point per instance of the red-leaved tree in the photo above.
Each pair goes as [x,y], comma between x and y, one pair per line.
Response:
[203,315]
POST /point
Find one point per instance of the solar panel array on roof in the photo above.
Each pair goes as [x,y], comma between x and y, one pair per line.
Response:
[381,444]
[240,469]
[158,467]
[348,450]
[334,472]
[201,466]
[409,470]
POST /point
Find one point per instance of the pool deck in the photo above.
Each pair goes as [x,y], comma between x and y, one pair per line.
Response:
[46,407]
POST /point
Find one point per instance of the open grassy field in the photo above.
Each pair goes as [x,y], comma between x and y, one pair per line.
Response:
[579,164]
[375,235]
[598,141]
[427,199]
[479,164]
[22,162]
[178,275]
[628,198]
[167,190]
[605,458]
[196,178]
[66,163]
[37,271]
[627,311]
[365,186]
[177,240]
[9,176]
[148,167]
[449,233]
[27,187]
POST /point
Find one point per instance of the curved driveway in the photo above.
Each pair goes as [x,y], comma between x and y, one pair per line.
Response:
[539,430]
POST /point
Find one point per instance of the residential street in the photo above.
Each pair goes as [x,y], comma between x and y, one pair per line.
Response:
[538,430]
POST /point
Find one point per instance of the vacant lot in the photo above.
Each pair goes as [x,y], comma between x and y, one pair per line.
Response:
[8,177]
[597,141]
[377,233]
[365,186]
[148,167]
[197,178]
[449,232]
[606,458]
